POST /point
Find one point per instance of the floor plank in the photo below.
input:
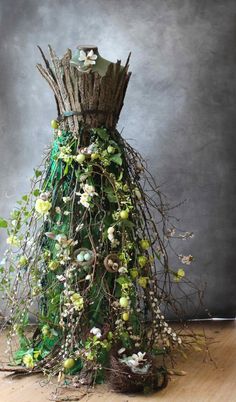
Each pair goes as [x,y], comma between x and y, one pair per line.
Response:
[203,382]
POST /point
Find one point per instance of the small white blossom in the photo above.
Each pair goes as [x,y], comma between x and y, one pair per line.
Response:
[120,351]
[84,200]
[170,232]
[90,190]
[110,230]
[122,270]
[61,278]
[89,59]
[96,331]
[66,199]
[186,259]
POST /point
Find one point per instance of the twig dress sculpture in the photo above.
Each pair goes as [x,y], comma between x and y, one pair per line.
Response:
[84,245]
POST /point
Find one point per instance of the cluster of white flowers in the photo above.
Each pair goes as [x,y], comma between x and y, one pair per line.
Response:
[65,154]
[162,329]
[85,197]
[186,235]
[170,232]
[96,332]
[111,236]
[186,259]
[135,359]
[137,362]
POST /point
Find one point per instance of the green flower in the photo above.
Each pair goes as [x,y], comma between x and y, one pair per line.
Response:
[13,241]
[28,361]
[77,301]
[143,281]
[179,275]
[42,207]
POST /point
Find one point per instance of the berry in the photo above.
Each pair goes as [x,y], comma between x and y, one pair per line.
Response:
[125,316]
[94,156]
[110,149]
[54,124]
[124,214]
[80,158]
[144,244]
[69,363]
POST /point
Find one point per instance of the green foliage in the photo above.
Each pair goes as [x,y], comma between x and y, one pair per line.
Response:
[3,223]
[116,159]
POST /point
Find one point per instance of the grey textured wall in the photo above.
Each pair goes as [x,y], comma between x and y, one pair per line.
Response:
[180,108]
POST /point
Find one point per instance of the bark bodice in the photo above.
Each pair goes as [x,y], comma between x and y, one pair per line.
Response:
[86,97]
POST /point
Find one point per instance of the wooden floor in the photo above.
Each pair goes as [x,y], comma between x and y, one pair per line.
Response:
[203,381]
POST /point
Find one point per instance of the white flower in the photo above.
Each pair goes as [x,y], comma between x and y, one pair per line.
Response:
[84,200]
[45,196]
[186,235]
[96,331]
[79,227]
[110,237]
[110,230]
[61,278]
[135,359]
[90,190]
[186,259]
[170,232]
[122,270]
[89,59]
[66,199]
[120,351]
[88,277]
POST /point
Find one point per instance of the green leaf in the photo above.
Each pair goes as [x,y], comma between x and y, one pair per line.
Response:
[116,159]
[36,192]
[66,169]
[122,280]
[25,198]
[102,133]
[37,173]
[128,224]
[110,194]
[3,223]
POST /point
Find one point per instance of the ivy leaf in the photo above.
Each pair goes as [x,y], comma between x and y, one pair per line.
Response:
[128,224]
[110,194]
[122,280]
[37,173]
[102,133]
[116,159]
[3,223]
[36,192]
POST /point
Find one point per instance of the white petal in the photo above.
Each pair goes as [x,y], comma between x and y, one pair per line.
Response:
[82,55]
[87,62]
[90,53]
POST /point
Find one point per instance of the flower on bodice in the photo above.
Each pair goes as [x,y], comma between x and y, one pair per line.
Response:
[89,59]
